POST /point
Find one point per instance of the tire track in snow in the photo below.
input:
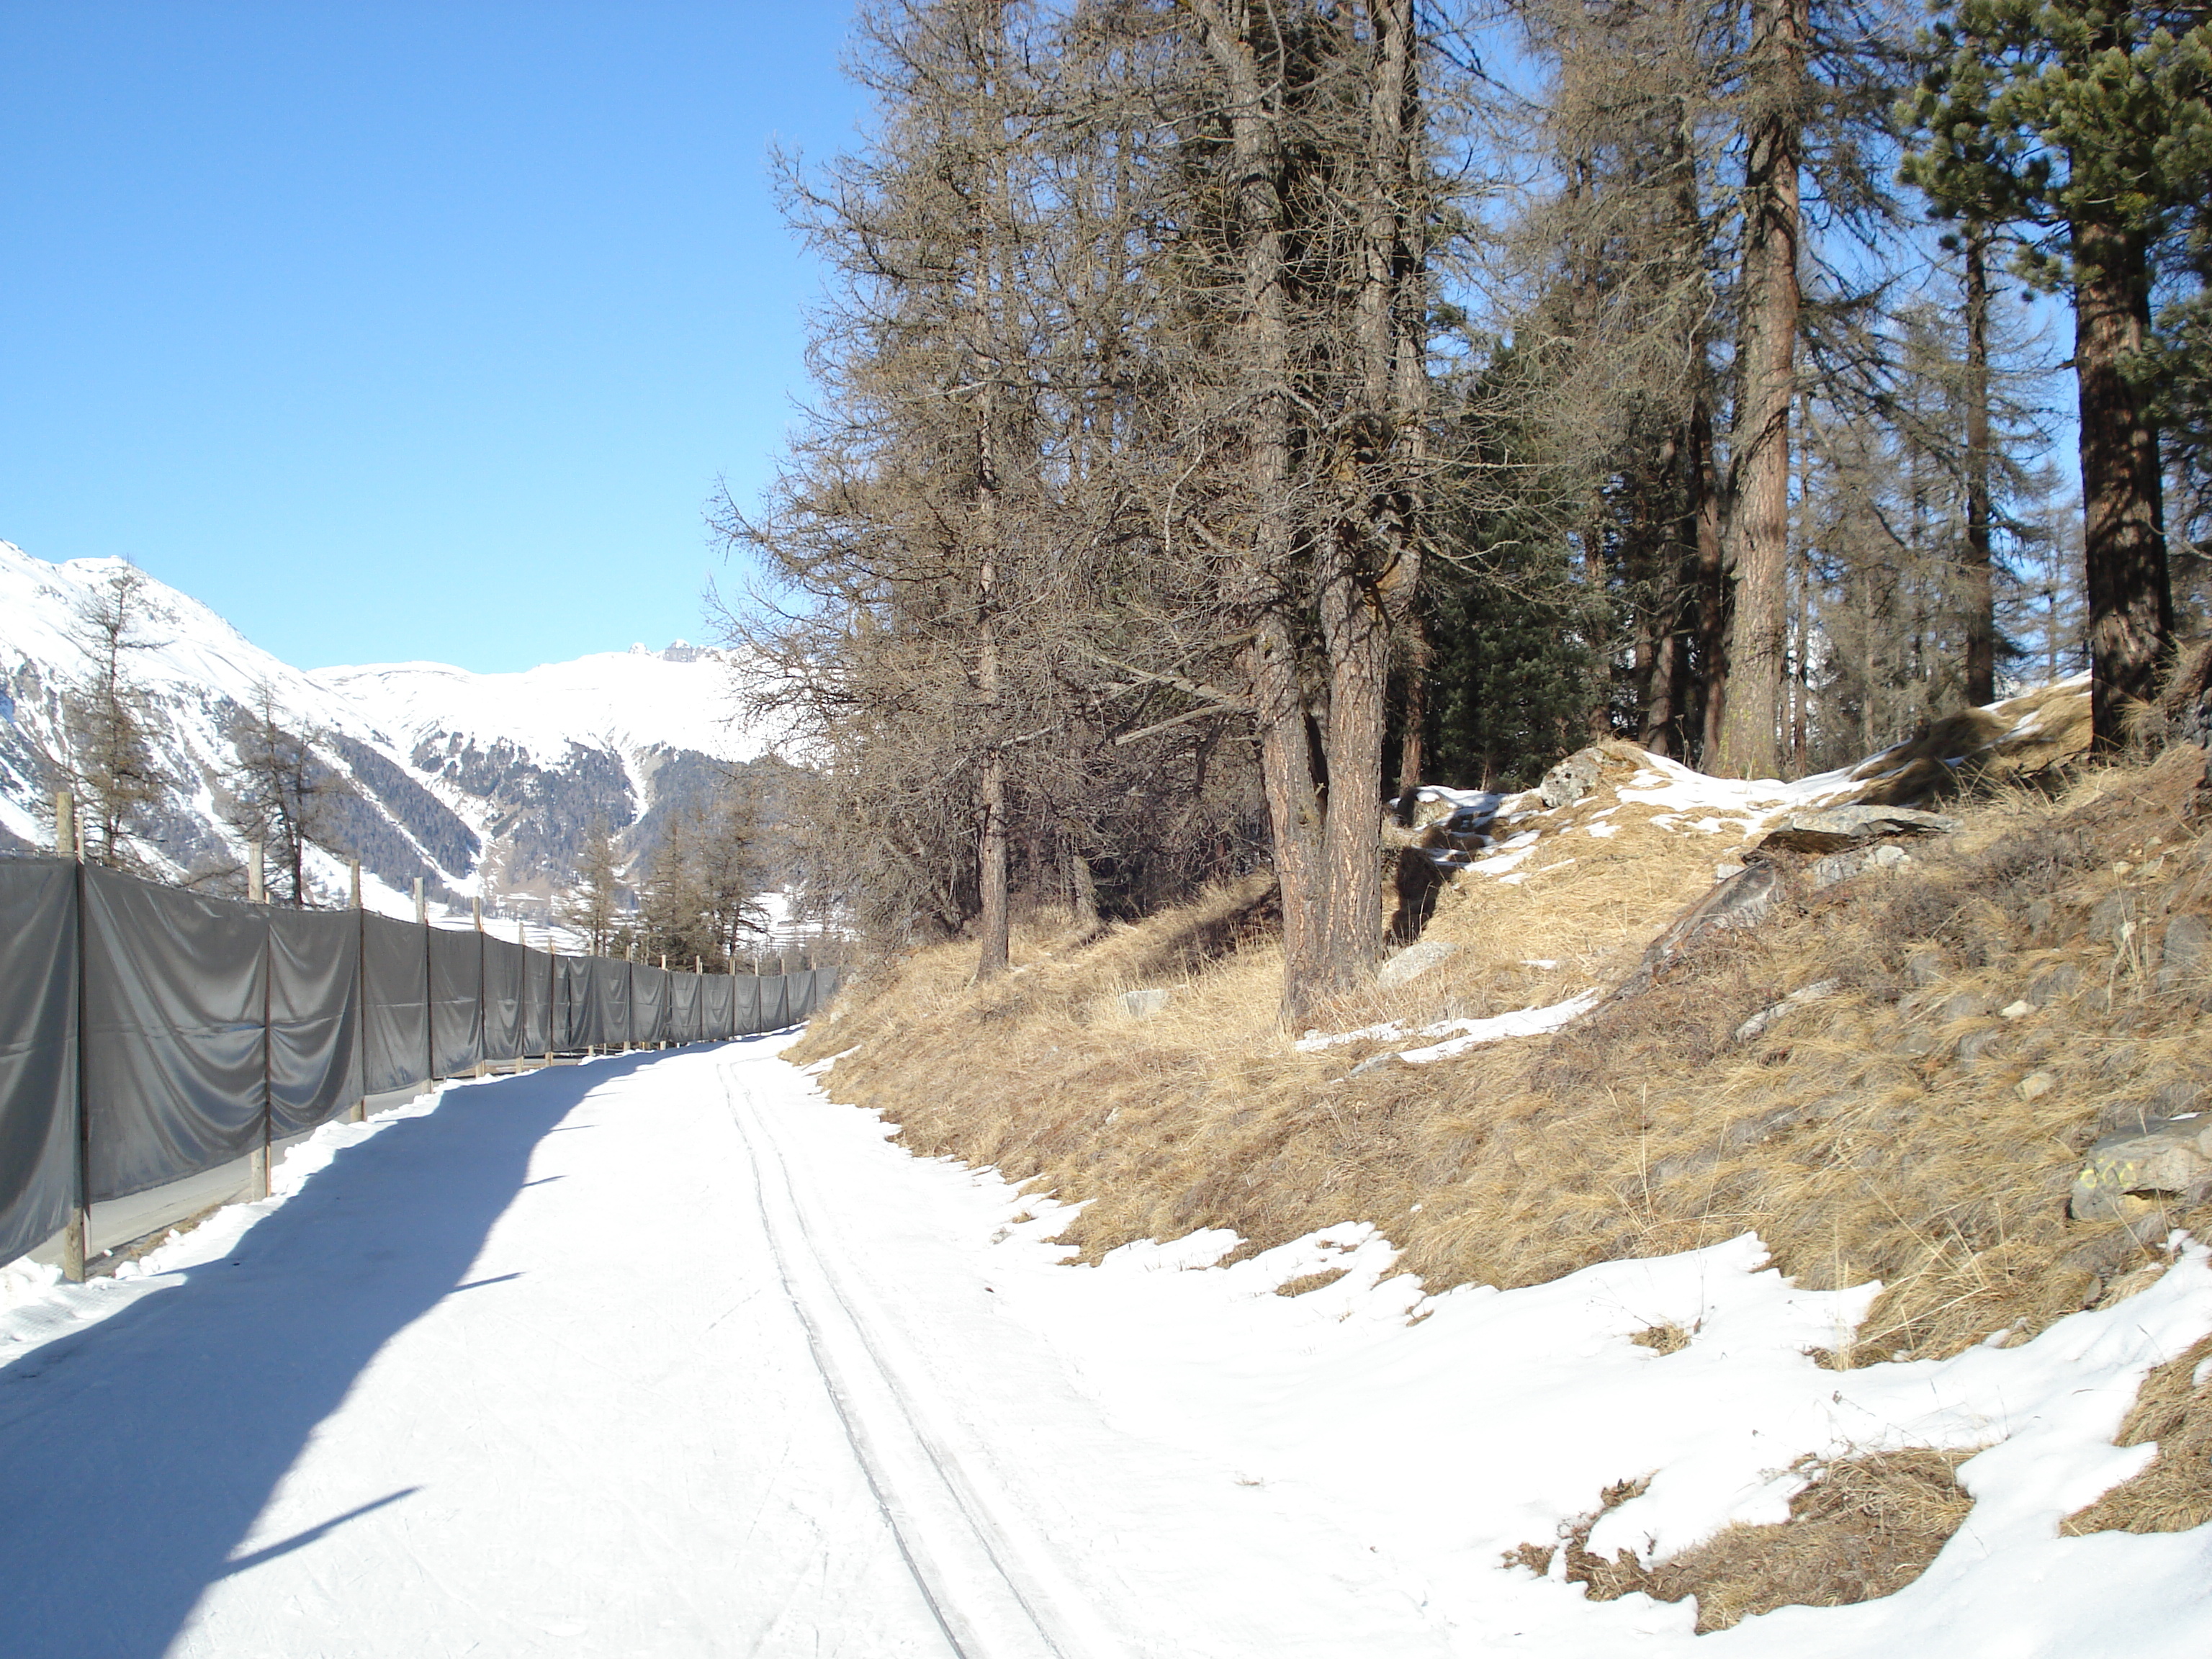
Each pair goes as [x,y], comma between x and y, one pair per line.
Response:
[955,1542]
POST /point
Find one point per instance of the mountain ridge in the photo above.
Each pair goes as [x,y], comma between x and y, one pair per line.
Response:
[484,786]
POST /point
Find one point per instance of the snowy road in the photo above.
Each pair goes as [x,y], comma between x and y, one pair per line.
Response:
[670,1356]
[642,1357]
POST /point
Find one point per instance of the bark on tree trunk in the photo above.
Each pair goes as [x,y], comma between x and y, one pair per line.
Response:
[1758,498]
[1979,597]
[1254,584]
[2123,530]
[1416,717]
[1712,587]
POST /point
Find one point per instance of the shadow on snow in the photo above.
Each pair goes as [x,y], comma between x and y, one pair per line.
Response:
[136,1453]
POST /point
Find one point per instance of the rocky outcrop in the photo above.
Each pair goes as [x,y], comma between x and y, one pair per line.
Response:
[1744,900]
[1833,829]
[1842,867]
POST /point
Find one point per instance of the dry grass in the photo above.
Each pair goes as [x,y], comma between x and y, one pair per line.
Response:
[1880,1133]
[2175,1492]
[1864,1528]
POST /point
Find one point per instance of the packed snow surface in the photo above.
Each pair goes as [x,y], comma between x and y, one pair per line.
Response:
[672,1356]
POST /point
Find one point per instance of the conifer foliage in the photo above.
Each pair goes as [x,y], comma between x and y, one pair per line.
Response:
[1230,415]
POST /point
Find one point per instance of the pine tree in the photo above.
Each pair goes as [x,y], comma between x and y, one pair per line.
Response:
[2086,122]
[593,905]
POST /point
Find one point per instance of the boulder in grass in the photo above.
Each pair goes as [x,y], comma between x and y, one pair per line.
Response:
[1842,867]
[1833,829]
[1571,779]
[1413,960]
[1744,900]
[2184,953]
[2128,1175]
[1142,1004]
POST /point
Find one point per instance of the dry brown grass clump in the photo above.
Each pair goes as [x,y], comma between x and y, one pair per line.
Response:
[1865,1528]
[2175,1492]
[1996,1004]
[2030,735]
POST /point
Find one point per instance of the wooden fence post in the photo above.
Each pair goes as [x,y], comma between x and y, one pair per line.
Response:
[76,1229]
[360,1113]
[260,1163]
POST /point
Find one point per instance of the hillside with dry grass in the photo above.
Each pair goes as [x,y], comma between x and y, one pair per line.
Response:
[1895,1075]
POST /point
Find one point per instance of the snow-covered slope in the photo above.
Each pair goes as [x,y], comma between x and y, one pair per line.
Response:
[484,785]
[631,700]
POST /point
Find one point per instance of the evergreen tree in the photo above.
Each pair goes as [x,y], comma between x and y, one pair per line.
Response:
[595,902]
[2086,122]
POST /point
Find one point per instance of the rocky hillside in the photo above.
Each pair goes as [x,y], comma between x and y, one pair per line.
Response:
[1945,1045]
[484,784]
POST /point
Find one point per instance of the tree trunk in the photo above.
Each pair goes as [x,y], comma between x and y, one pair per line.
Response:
[1979,597]
[1758,542]
[2123,530]
[1414,733]
[1703,531]
[1370,564]
[1254,580]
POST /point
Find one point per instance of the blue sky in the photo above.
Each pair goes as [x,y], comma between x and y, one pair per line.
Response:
[403,330]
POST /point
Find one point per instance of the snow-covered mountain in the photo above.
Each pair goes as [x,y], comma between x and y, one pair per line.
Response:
[484,785]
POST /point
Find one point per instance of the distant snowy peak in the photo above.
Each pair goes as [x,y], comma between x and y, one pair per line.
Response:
[483,786]
[629,701]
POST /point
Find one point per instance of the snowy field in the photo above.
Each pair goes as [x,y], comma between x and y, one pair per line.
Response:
[668,1356]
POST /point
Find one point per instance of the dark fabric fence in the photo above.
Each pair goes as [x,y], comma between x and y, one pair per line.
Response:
[504,1014]
[648,1003]
[456,1001]
[314,1052]
[395,1005]
[175,1050]
[38,1051]
[717,1006]
[148,1034]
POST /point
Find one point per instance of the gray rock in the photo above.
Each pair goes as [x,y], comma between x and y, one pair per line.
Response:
[1833,829]
[1142,1004]
[2054,984]
[1967,1004]
[1415,959]
[2109,915]
[2133,1117]
[1977,1046]
[2126,1176]
[1571,779]
[2177,1099]
[1743,900]
[2186,937]
[1819,990]
[1842,867]
[1373,1063]
[1924,967]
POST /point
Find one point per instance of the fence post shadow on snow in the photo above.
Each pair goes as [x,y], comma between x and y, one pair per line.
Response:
[157,1047]
[138,1452]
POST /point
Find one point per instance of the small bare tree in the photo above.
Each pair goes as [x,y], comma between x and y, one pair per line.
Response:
[111,762]
[279,791]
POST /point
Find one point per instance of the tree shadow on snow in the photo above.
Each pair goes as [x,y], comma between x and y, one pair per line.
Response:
[136,1453]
